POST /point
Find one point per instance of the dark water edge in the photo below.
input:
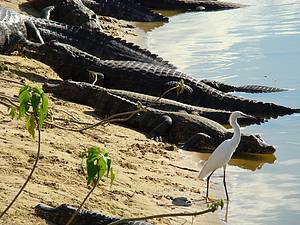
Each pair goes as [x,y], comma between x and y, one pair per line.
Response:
[258,44]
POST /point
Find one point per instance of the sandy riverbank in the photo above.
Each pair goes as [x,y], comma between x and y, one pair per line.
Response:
[146,178]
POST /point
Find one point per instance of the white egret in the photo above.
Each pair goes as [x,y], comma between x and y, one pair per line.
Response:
[222,154]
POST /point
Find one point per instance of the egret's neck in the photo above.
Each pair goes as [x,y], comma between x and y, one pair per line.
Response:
[237,133]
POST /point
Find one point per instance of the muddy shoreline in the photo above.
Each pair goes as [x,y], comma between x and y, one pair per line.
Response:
[147,179]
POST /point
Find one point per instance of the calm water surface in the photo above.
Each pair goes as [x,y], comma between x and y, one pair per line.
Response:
[257,44]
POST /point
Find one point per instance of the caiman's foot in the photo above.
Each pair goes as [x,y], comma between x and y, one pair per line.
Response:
[157,138]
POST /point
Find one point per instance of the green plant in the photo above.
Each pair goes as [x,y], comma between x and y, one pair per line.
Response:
[95,163]
[3,67]
[33,105]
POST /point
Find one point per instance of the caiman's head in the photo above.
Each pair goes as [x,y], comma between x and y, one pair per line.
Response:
[66,60]
[254,144]
[52,52]
[59,215]
[249,144]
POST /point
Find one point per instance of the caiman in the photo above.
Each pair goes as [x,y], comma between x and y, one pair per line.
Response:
[60,216]
[72,12]
[71,63]
[124,9]
[219,116]
[174,127]
[191,5]
[104,46]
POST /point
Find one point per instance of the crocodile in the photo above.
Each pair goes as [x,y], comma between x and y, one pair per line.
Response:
[189,5]
[72,12]
[61,214]
[173,127]
[220,116]
[125,10]
[104,46]
[71,63]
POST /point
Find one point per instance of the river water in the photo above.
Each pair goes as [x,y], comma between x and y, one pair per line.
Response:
[259,44]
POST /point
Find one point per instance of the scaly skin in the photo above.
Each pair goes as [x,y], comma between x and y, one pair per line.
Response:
[192,5]
[70,63]
[63,213]
[96,43]
[219,116]
[74,12]
[175,127]
[245,88]
[124,9]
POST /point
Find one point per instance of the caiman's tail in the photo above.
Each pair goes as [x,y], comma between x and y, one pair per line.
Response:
[245,88]
[296,110]
[257,108]
[205,96]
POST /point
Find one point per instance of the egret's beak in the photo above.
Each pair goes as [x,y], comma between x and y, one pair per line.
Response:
[248,116]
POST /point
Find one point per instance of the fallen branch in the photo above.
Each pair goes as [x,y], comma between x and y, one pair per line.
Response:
[213,207]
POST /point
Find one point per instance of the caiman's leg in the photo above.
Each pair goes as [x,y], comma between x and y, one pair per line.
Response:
[245,88]
[33,32]
[199,139]
[45,13]
[162,128]
[13,42]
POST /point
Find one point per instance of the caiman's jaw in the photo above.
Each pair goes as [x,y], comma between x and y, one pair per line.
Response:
[264,146]
[48,53]
[45,211]
[54,214]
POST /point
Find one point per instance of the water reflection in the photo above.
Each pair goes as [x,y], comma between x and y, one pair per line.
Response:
[146,27]
[245,161]
[149,26]
[257,44]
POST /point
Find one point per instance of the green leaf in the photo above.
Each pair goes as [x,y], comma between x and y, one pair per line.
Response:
[96,164]
[24,88]
[108,160]
[139,105]
[3,67]
[112,177]
[179,87]
[43,110]
[102,166]
[24,99]
[38,90]
[216,204]
[35,101]
[12,112]
[30,124]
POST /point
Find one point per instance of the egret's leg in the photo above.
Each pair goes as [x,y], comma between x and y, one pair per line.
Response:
[207,184]
[224,182]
